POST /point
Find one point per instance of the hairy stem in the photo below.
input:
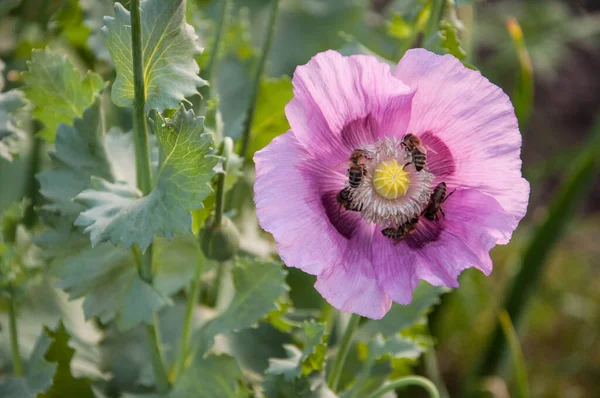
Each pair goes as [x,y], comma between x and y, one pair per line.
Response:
[333,378]
[186,332]
[142,150]
[14,336]
[256,82]
[144,181]
[405,382]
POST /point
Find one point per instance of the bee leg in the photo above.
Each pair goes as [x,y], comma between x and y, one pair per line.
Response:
[404,168]
[447,196]
[443,214]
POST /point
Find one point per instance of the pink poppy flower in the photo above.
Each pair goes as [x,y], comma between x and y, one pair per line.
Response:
[370,227]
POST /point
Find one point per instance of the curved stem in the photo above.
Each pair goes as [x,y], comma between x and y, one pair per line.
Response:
[226,150]
[144,182]
[14,336]
[405,382]
[256,82]
[333,378]
[187,322]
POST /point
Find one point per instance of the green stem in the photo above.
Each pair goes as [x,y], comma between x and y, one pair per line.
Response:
[145,269]
[14,336]
[333,378]
[214,52]
[433,371]
[142,150]
[158,364]
[226,150]
[186,332]
[216,288]
[433,25]
[144,182]
[405,382]
[584,169]
[32,188]
[256,83]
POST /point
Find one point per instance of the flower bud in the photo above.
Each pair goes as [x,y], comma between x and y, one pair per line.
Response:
[219,243]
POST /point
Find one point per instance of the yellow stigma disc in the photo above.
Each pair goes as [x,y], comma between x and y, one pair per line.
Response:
[390,180]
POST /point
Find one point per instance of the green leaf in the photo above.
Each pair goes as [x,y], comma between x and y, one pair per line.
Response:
[108,279]
[404,316]
[269,115]
[372,374]
[315,348]
[58,90]
[520,370]
[288,367]
[80,153]
[10,134]
[169,47]
[299,363]
[94,12]
[106,276]
[275,386]
[253,347]
[258,285]
[450,41]
[20,264]
[584,169]
[117,212]
[49,371]
[211,377]
[64,384]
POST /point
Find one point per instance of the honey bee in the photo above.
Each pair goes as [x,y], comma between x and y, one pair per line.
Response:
[435,202]
[417,151]
[397,234]
[357,169]
[344,198]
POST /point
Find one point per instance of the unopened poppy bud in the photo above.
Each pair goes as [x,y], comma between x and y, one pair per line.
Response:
[219,242]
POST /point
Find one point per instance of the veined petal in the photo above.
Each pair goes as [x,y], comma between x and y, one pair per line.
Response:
[333,92]
[289,205]
[458,111]
[439,251]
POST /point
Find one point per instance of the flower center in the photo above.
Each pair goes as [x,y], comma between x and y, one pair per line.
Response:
[386,193]
[390,180]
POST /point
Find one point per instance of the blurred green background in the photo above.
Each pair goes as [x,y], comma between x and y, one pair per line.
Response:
[560,330]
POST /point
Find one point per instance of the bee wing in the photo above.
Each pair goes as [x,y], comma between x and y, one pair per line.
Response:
[344,165]
[424,148]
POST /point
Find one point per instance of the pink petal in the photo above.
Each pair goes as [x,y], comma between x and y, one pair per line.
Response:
[341,103]
[474,120]
[288,206]
[295,201]
[440,250]
[351,284]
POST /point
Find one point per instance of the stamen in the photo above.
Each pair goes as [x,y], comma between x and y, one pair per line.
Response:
[390,180]
[390,194]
